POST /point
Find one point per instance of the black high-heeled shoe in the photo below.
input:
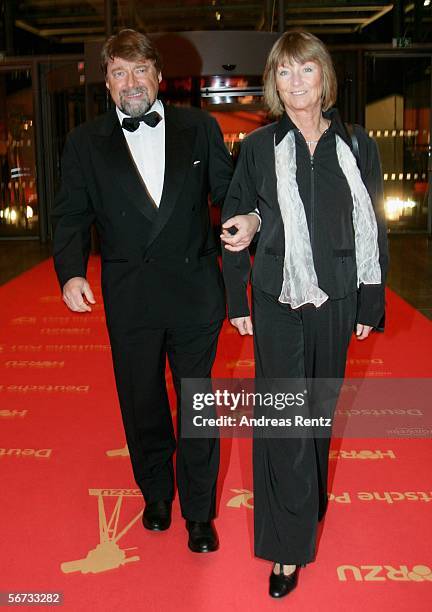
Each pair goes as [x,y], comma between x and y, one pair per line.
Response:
[281,585]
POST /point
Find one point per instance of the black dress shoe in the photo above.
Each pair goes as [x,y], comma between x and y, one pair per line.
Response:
[281,585]
[157,515]
[202,536]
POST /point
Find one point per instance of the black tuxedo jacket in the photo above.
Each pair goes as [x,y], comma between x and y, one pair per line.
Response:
[328,207]
[159,265]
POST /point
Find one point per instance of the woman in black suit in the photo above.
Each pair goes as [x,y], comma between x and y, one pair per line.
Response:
[318,274]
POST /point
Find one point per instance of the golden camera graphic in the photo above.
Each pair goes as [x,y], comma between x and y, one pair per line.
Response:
[107,554]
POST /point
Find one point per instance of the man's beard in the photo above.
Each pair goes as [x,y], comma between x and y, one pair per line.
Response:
[135,108]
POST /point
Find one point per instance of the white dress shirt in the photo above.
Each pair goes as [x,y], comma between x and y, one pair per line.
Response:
[147,147]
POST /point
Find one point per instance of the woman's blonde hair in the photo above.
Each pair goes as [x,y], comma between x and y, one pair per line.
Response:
[299,46]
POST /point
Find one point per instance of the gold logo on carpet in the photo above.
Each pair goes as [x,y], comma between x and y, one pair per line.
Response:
[76,348]
[46,388]
[26,348]
[41,453]
[390,497]
[242,498]
[381,573]
[65,320]
[107,555]
[65,331]
[34,364]
[24,321]
[46,299]
[343,498]
[361,454]
[394,496]
[376,360]
[119,452]
[13,413]
[241,363]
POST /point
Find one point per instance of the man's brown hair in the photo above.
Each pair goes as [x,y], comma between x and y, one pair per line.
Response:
[129,45]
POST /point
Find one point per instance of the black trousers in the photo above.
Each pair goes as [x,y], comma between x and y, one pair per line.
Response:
[139,368]
[290,474]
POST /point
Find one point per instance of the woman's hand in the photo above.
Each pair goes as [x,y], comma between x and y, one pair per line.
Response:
[244,325]
[363,331]
[247,227]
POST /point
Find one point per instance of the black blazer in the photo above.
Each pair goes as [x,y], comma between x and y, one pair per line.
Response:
[159,266]
[328,208]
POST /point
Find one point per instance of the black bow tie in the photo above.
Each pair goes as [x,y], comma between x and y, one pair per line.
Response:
[132,123]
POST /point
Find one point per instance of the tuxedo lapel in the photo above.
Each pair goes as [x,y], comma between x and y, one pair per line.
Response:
[113,147]
[179,142]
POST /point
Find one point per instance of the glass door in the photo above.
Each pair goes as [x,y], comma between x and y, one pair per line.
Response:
[398,116]
[62,107]
[19,202]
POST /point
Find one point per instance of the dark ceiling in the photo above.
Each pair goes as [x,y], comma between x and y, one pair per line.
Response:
[72,22]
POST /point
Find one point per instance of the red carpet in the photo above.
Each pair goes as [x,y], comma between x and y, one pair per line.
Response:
[71,512]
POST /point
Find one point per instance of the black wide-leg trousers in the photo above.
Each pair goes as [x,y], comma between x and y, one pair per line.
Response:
[139,367]
[290,474]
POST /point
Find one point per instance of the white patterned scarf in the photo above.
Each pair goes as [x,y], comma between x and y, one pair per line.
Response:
[300,283]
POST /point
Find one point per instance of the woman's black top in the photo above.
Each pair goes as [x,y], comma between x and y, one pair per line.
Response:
[328,204]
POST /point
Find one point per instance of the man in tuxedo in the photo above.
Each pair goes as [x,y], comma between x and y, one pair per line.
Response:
[143,173]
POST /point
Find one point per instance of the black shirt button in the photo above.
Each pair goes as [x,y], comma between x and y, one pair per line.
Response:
[186,259]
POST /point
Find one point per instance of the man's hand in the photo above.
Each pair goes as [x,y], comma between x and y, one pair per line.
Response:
[246,225]
[73,292]
[243,324]
[363,331]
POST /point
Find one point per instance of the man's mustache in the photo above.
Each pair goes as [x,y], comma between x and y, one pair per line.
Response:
[133,91]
